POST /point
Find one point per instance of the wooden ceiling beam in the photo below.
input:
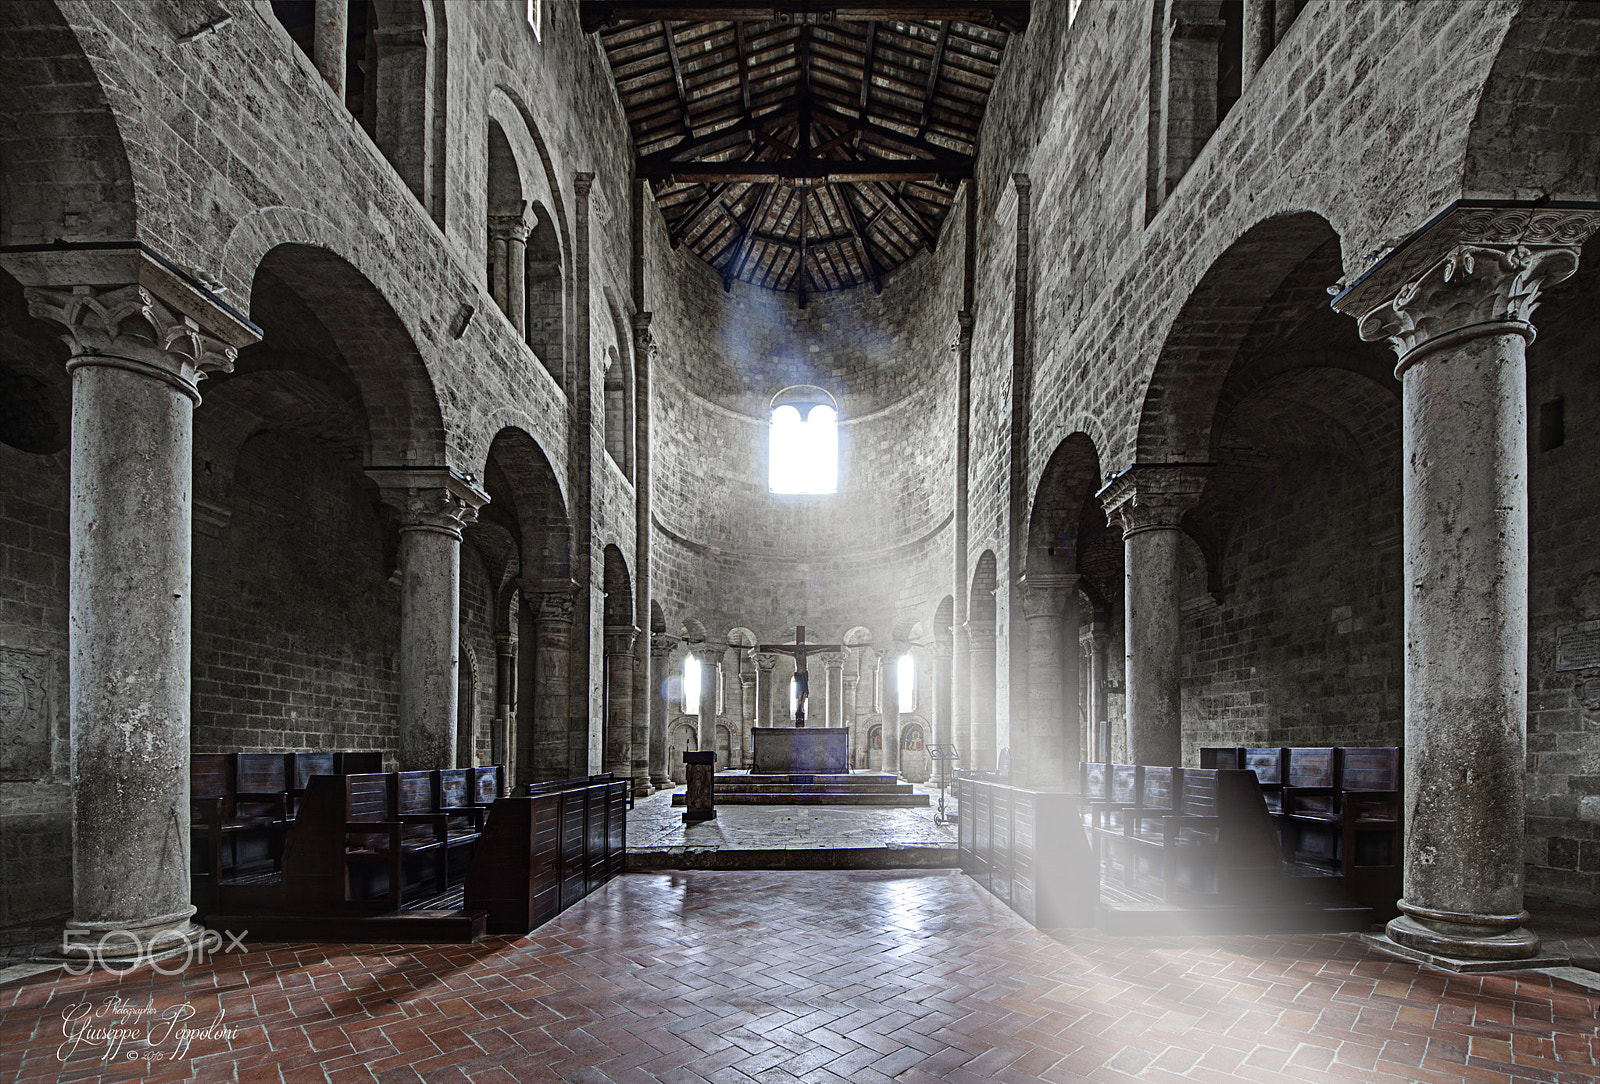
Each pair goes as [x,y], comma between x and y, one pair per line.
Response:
[948,168]
[731,136]
[744,66]
[866,65]
[933,79]
[1009,15]
[677,77]
[859,232]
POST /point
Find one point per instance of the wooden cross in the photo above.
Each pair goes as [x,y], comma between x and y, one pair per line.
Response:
[799,650]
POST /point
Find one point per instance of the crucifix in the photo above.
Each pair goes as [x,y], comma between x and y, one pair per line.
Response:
[799,650]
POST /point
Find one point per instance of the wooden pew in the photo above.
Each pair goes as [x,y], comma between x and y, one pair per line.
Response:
[424,833]
[1355,829]
[344,853]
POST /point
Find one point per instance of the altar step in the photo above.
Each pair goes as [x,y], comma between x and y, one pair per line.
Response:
[862,788]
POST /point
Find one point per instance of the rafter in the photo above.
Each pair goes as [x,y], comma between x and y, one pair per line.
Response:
[949,168]
[866,65]
[912,144]
[859,232]
[1009,15]
[933,79]
[744,66]
[715,142]
[677,76]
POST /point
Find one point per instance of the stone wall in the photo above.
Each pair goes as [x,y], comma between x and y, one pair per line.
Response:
[728,552]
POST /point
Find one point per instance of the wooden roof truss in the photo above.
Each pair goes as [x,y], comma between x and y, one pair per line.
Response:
[796,148]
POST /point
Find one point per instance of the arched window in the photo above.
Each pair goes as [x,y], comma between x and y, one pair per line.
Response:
[691,686]
[803,447]
[906,678]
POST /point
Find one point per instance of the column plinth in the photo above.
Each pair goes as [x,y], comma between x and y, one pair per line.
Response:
[1460,329]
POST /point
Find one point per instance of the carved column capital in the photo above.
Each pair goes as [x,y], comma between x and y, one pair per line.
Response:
[764,660]
[619,639]
[127,326]
[708,654]
[832,660]
[1476,270]
[430,498]
[556,606]
[980,636]
[505,644]
[581,183]
[1044,594]
[645,347]
[943,649]
[661,645]
[514,226]
[1153,496]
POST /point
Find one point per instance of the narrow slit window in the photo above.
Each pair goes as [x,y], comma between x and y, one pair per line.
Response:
[691,686]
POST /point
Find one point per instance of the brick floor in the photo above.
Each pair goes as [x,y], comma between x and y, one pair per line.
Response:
[774,977]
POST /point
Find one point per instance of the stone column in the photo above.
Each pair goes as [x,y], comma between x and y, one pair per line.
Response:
[661,646]
[980,654]
[1455,306]
[833,670]
[941,692]
[747,711]
[434,504]
[136,365]
[508,238]
[1099,694]
[1044,747]
[857,750]
[552,755]
[709,658]
[1258,38]
[619,703]
[505,682]
[889,683]
[764,662]
[1148,502]
[330,38]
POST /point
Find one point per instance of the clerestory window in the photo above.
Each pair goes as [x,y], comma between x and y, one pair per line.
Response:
[803,446]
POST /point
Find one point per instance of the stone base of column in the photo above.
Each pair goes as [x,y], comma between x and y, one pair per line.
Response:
[642,787]
[1459,965]
[128,943]
[1463,936]
[662,782]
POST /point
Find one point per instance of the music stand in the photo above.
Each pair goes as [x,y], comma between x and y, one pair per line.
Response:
[945,756]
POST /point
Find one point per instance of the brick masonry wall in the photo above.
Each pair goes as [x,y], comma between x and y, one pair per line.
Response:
[1563,848]
[297,622]
[1304,646]
[35,775]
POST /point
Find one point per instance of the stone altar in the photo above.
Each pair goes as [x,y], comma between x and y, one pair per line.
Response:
[801,750]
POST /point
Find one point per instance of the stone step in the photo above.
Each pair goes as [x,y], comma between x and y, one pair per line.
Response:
[810,788]
[889,856]
[796,797]
[854,779]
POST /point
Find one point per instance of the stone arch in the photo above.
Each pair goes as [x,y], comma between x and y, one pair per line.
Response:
[618,588]
[467,705]
[658,617]
[1065,518]
[944,616]
[1212,325]
[526,499]
[54,107]
[1535,133]
[981,601]
[618,392]
[549,272]
[405,426]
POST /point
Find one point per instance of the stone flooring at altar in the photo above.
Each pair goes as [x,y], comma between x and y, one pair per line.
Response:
[840,836]
[833,978]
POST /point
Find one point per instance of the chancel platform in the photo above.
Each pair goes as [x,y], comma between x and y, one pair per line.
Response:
[809,750]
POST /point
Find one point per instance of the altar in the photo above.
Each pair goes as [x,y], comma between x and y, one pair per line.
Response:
[811,750]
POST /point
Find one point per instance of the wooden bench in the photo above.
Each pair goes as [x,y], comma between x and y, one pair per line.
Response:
[1353,824]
